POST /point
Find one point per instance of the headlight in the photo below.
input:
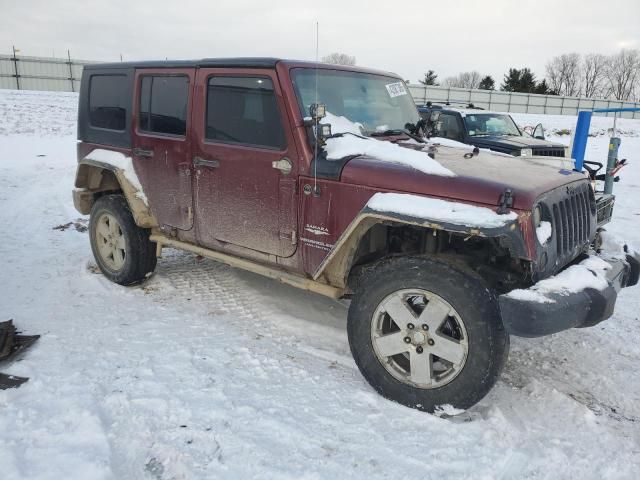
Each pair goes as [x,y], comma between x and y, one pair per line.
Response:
[526,152]
[537,216]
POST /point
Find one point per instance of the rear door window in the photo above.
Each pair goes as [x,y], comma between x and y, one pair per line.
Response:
[108,98]
[244,110]
[163,104]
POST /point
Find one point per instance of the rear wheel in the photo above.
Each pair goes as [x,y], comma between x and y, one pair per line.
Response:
[122,250]
[426,334]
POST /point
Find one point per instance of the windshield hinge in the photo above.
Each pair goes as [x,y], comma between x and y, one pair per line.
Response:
[505,202]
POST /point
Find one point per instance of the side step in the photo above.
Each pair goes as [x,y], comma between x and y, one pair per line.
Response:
[10,344]
[292,279]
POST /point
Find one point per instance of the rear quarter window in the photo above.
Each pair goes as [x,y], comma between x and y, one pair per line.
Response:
[108,100]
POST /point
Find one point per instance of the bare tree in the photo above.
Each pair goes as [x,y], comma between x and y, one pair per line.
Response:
[563,74]
[623,74]
[339,59]
[464,80]
[594,68]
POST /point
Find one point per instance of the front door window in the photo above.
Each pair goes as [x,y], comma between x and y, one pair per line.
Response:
[244,110]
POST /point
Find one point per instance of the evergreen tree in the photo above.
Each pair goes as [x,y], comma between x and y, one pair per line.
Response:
[511,81]
[519,80]
[429,78]
[487,83]
[543,88]
[527,81]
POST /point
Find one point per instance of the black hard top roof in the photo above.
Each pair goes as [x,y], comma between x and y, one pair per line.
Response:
[234,62]
[247,62]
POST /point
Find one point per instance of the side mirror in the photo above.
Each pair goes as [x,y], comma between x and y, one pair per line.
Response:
[538,132]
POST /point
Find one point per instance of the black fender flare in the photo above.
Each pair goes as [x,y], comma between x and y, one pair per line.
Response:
[335,267]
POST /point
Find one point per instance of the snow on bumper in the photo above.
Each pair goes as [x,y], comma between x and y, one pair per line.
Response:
[582,295]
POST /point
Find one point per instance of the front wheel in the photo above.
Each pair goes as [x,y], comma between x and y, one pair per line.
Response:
[425,334]
[123,251]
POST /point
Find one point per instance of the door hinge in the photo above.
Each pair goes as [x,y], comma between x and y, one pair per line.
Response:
[505,202]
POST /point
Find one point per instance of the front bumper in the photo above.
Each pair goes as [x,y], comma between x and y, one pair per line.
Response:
[560,311]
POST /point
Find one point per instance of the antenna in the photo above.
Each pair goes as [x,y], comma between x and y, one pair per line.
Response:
[317,120]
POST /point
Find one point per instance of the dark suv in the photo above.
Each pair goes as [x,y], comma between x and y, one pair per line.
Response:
[484,129]
[319,176]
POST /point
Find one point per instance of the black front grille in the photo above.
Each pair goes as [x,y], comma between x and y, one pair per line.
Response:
[572,217]
[604,205]
[549,152]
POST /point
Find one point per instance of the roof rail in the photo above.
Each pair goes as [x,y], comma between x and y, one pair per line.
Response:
[470,106]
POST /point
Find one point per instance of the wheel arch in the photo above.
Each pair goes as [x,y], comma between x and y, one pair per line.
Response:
[337,266]
[95,178]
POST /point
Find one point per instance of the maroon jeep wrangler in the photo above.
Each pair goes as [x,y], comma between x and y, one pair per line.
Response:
[319,176]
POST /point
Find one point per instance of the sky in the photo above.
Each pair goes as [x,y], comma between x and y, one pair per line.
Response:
[407,37]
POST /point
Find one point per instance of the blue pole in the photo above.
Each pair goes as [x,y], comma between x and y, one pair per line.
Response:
[580,137]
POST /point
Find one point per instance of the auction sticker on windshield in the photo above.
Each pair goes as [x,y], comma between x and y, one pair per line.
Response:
[396,89]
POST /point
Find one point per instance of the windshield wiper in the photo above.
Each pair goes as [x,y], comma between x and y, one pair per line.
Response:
[495,134]
[397,131]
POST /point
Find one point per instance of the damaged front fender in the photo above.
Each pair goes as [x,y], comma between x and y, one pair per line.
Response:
[335,268]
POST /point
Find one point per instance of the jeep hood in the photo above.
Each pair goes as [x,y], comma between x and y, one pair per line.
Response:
[479,179]
[510,143]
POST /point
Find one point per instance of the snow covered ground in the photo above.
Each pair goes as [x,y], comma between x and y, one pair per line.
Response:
[210,372]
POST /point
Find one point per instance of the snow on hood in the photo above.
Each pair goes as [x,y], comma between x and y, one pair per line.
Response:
[447,142]
[439,210]
[590,273]
[123,163]
[353,143]
[341,124]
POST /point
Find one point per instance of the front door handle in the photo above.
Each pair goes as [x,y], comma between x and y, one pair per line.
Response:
[141,152]
[203,162]
[284,165]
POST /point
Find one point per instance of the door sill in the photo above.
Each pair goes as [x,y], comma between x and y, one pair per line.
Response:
[292,279]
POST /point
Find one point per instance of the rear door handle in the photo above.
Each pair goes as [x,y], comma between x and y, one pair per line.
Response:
[141,152]
[203,162]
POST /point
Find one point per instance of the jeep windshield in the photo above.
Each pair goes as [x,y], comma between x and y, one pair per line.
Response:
[380,104]
[490,124]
